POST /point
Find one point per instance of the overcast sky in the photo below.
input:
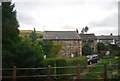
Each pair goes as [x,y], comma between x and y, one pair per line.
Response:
[101,16]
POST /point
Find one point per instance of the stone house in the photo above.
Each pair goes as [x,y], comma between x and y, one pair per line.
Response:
[112,39]
[71,42]
[89,38]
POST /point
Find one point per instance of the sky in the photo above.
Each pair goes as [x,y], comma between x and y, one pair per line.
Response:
[101,16]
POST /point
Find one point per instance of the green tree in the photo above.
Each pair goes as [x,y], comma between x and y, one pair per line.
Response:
[86,29]
[10,32]
[51,49]
[83,30]
[87,50]
[33,35]
[101,47]
[17,52]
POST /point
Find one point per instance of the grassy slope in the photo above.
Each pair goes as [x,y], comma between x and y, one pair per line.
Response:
[95,68]
[24,33]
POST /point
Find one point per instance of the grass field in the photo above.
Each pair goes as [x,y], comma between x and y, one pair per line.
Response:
[100,68]
[25,33]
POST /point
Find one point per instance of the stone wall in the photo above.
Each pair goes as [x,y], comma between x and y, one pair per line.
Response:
[70,48]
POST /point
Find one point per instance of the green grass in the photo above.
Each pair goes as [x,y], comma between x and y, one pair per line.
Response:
[25,33]
[97,68]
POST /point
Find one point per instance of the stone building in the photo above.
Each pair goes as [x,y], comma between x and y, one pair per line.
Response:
[71,42]
[112,39]
[89,38]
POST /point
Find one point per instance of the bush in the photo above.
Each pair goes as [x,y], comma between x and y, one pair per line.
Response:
[56,62]
[82,60]
[51,62]
[61,62]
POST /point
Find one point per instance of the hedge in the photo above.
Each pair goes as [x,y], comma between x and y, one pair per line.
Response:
[82,60]
[61,62]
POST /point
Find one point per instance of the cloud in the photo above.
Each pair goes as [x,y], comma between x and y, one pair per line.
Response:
[68,27]
[103,30]
[110,21]
[67,14]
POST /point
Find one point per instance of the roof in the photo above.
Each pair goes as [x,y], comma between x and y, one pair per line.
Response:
[61,35]
[107,37]
[88,36]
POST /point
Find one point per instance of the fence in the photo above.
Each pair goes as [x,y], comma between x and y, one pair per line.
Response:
[77,75]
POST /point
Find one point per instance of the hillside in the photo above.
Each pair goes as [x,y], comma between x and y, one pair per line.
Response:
[25,33]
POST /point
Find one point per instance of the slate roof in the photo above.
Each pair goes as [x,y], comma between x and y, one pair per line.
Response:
[88,36]
[107,37]
[61,35]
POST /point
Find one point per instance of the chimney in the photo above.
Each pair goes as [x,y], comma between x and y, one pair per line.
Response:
[77,31]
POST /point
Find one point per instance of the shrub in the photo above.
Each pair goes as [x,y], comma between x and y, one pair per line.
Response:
[61,62]
[56,62]
[82,60]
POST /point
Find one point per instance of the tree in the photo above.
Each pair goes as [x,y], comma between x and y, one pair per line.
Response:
[101,47]
[17,52]
[51,49]
[10,32]
[87,50]
[86,29]
[33,35]
[83,29]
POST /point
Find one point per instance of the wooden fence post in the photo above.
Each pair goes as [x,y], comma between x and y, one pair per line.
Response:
[105,72]
[49,72]
[14,73]
[78,71]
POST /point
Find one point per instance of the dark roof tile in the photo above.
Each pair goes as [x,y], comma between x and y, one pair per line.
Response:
[61,35]
[87,36]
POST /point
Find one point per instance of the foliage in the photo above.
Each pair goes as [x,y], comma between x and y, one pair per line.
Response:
[115,50]
[10,31]
[51,49]
[99,68]
[16,52]
[33,35]
[87,50]
[86,29]
[82,31]
[82,60]
[102,48]
[25,33]
[55,62]
[10,24]
[23,55]
[59,63]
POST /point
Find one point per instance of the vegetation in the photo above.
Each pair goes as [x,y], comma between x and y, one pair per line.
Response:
[82,60]
[51,49]
[29,52]
[62,62]
[17,52]
[25,33]
[84,30]
[87,50]
[98,68]
[10,31]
